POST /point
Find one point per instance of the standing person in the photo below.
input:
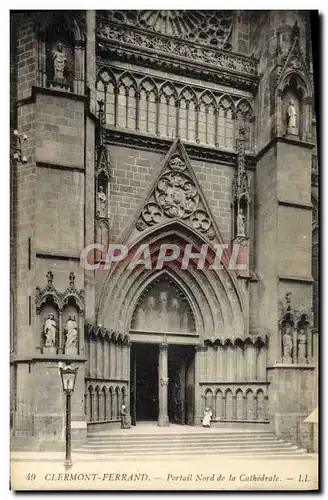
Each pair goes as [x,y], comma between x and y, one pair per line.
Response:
[124,418]
[207,418]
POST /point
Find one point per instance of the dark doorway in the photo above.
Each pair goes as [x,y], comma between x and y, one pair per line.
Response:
[181,384]
[144,382]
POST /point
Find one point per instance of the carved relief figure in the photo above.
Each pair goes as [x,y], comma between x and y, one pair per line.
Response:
[163,315]
[59,62]
[174,316]
[287,341]
[50,329]
[302,343]
[241,223]
[71,330]
[101,202]
[291,118]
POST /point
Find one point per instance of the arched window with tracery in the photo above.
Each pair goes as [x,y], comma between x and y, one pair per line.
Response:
[148,106]
[206,119]
[209,399]
[229,405]
[219,404]
[105,87]
[167,111]
[126,103]
[187,115]
[245,120]
[104,415]
[98,403]
[225,131]
[239,405]
[260,402]
[90,408]
[250,410]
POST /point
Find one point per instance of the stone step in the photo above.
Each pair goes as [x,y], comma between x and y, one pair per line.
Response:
[130,442]
[162,433]
[166,444]
[189,445]
[179,437]
[159,453]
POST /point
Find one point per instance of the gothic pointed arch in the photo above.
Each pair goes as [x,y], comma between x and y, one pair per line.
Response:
[214,297]
[148,84]
[188,94]
[188,105]
[148,98]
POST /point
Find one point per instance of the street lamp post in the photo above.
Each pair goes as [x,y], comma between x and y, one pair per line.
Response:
[68,377]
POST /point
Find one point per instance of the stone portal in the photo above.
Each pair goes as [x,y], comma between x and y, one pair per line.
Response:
[162,383]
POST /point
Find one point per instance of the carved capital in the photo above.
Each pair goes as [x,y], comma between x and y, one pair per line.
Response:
[164,381]
[163,346]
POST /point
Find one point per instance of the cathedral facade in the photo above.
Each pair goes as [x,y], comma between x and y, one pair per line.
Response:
[145,139]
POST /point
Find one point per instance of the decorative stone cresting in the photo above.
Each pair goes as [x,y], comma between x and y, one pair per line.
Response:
[237,340]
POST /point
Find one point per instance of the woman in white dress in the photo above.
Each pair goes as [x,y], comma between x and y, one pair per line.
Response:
[207,418]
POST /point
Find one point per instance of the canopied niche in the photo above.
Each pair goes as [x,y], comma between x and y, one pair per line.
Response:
[61,51]
[163,307]
[60,318]
[294,99]
[297,340]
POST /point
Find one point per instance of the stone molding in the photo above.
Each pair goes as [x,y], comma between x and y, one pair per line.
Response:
[114,136]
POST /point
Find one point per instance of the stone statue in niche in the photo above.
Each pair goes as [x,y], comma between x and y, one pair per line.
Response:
[59,62]
[291,118]
[287,343]
[241,223]
[71,330]
[50,330]
[301,343]
[101,202]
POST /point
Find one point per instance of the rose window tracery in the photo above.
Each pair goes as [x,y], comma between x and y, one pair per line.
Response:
[208,27]
[201,221]
[176,195]
[152,214]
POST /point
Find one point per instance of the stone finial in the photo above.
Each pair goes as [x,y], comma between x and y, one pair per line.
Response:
[295,32]
[50,277]
[72,280]
[288,298]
